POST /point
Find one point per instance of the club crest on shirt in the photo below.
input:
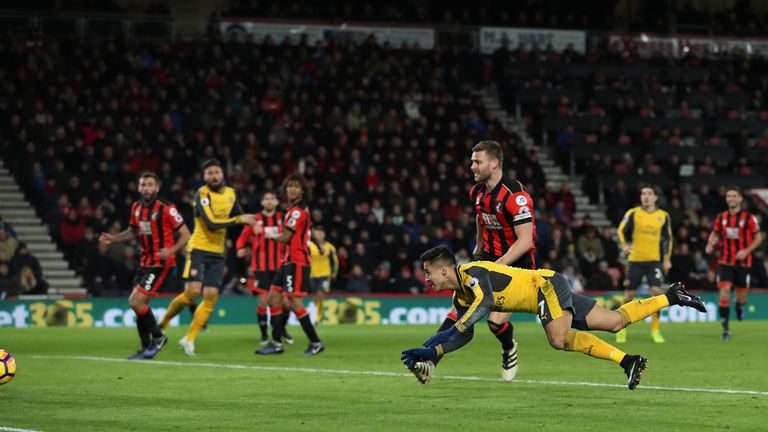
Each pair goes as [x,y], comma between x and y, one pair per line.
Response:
[499,204]
[154,216]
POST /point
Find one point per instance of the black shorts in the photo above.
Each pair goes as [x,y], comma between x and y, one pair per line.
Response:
[320,284]
[205,267]
[292,280]
[151,280]
[735,276]
[556,296]
[525,261]
[260,282]
[651,270]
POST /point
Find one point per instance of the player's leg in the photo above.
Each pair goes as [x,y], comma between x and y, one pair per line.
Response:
[140,304]
[287,309]
[725,278]
[275,302]
[296,292]
[261,315]
[499,325]
[742,284]
[654,275]
[259,286]
[631,283]
[193,274]
[203,311]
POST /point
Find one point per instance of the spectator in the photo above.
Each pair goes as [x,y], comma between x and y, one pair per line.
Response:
[9,284]
[574,279]
[590,241]
[357,282]
[24,259]
[408,283]
[8,244]
[72,231]
[7,227]
[683,266]
[600,279]
[383,281]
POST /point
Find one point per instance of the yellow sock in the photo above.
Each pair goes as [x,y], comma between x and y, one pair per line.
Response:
[319,305]
[202,313]
[655,322]
[177,305]
[592,346]
[637,310]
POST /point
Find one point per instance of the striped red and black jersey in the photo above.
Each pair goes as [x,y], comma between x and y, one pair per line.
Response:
[297,221]
[266,254]
[498,212]
[155,224]
[737,231]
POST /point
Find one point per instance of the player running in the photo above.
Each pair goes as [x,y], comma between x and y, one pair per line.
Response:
[292,279]
[649,230]
[155,221]
[216,208]
[483,286]
[738,233]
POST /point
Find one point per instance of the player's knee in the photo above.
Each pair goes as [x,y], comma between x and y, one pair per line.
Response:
[495,327]
[557,342]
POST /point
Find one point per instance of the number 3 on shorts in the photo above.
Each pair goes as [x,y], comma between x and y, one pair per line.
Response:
[148,283]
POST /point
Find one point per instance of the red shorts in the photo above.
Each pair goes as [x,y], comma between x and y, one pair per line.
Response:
[292,280]
[149,280]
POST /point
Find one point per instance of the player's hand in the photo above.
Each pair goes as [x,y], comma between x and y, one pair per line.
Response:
[742,255]
[709,248]
[413,355]
[258,229]
[442,337]
[106,238]
[248,219]
[242,253]
[164,253]
[626,250]
[666,265]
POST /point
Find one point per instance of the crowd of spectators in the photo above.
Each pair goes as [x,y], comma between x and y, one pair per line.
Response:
[383,134]
[20,271]
[689,126]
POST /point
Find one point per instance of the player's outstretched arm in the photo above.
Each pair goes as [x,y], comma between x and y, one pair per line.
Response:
[107,238]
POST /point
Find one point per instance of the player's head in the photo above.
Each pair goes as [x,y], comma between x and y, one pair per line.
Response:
[438,264]
[648,197]
[318,232]
[734,197]
[149,186]
[213,174]
[269,201]
[297,188]
[486,159]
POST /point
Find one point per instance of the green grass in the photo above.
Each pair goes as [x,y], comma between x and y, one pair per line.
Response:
[66,394]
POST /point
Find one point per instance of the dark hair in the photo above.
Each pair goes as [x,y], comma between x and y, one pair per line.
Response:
[302,181]
[492,148]
[734,188]
[211,162]
[268,192]
[438,253]
[649,186]
[149,174]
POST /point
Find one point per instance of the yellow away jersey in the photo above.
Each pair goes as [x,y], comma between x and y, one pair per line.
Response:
[325,263]
[649,232]
[214,213]
[485,285]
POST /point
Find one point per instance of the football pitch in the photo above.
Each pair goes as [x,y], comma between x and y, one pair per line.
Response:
[72,379]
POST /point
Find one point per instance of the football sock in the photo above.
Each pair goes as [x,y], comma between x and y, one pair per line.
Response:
[724,312]
[739,311]
[261,313]
[592,346]
[319,305]
[503,333]
[184,299]
[143,326]
[655,322]
[637,310]
[306,325]
[202,313]
[276,321]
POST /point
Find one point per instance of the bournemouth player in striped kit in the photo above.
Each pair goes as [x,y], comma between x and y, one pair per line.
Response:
[738,233]
[156,222]
[266,255]
[506,234]
[293,277]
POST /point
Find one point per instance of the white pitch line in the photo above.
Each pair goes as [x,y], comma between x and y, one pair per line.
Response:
[393,374]
[10,429]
